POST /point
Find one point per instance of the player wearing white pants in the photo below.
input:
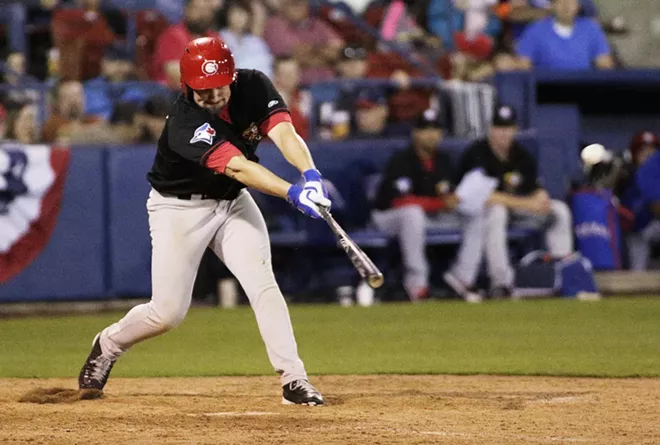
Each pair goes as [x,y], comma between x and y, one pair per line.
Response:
[519,198]
[235,230]
[205,159]
[415,195]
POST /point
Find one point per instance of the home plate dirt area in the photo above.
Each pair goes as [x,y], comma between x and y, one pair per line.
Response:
[360,410]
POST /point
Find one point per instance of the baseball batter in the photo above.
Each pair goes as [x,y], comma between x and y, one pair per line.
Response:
[205,160]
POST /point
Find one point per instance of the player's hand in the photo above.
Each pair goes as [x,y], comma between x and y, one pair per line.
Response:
[313,179]
[540,203]
[307,200]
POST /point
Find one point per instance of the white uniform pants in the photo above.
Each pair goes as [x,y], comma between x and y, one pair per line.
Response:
[180,231]
[486,235]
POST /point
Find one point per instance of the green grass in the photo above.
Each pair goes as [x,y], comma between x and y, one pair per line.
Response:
[553,337]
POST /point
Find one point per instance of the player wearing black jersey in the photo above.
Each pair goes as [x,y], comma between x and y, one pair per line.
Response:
[205,159]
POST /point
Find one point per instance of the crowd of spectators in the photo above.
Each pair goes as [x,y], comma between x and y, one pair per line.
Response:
[90,49]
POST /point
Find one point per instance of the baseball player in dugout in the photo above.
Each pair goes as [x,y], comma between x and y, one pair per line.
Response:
[205,160]
[519,198]
[415,193]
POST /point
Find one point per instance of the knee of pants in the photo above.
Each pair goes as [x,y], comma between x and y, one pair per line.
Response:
[497,216]
[166,318]
[561,213]
[414,216]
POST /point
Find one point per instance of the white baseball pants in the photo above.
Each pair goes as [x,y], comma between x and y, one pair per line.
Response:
[180,232]
[486,234]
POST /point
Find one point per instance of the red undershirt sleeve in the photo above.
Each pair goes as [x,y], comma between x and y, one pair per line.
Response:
[428,203]
[272,120]
[220,156]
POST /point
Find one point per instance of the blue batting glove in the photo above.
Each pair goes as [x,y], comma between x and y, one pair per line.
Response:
[313,179]
[307,200]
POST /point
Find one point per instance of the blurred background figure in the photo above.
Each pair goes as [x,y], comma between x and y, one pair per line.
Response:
[150,118]
[415,193]
[286,78]
[22,124]
[67,120]
[198,16]
[3,123]
[565,41]
[101,93]
[14,77]
[81,36]
[637,194]
[294,31]
[250,51]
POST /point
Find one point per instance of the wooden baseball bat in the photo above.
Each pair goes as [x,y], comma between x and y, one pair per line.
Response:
[365,267]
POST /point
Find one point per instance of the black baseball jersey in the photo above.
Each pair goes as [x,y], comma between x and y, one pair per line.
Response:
[516,175]
[192,134]
[406,174]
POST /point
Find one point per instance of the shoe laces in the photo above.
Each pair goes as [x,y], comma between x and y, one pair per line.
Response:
[101,368]
[304,385]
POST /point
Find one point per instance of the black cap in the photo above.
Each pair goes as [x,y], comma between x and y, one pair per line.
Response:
[430,118]
[353,52]
[505,116]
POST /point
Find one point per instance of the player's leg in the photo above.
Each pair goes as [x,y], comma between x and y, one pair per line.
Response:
[242,243]
[408,224]
[559,235]
[463,273]
[496,247]
[180,231]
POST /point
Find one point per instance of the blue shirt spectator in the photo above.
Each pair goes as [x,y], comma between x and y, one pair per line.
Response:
[550,45]
[250,51]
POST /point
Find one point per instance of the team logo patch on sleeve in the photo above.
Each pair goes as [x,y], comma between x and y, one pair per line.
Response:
[205,133]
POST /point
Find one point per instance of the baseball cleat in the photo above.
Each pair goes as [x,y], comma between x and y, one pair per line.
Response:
[301,392]
[96,370]
[467,294]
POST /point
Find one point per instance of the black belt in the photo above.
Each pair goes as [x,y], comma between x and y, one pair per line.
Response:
[190,196]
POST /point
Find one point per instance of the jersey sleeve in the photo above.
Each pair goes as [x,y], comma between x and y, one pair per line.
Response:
[529,171]
[195,140]
[468,162]
[267,105]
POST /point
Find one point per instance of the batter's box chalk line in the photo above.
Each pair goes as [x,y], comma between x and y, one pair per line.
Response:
[234,414]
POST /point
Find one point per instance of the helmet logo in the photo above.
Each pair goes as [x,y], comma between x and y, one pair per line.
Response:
[210,67]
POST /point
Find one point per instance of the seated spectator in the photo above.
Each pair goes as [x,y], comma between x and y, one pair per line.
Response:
[294,32]
[22,124]
[150,119]
[197,22]
[371,114]
[81,35]
[103,91]
[415,193]
[640,195]
[20,93]
[341,17]
[249,50]
[286,78]
[565,42]
[359,111]
[68,117]
[519,197]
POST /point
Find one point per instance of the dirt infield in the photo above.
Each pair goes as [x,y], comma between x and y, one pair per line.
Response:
[361,410]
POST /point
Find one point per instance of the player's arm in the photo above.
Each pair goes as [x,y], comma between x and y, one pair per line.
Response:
[228,160]
[256,176]
[292,146]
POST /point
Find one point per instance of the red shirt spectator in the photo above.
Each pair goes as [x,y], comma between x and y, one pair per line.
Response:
[81,36]
[286,78]
[311,41]
[198,18]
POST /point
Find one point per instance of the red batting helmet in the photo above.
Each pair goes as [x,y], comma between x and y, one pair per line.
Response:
[641,139]
[206,63]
